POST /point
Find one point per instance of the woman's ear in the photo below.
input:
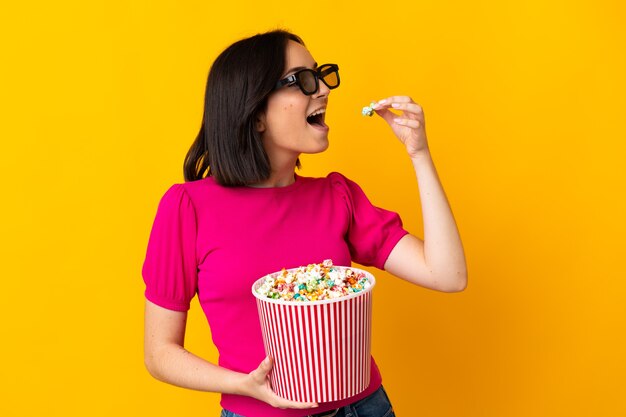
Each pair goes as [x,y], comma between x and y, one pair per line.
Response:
[259,123]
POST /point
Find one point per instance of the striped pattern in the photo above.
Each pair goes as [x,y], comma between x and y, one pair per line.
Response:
[321,350]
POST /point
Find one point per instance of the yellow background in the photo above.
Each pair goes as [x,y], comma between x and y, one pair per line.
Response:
[524,104]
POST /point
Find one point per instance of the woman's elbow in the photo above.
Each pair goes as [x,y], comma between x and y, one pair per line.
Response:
[460,287]
[150,362]
[457,283]
[149,366]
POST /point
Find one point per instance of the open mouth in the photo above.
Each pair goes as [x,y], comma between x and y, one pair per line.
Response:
[317,118]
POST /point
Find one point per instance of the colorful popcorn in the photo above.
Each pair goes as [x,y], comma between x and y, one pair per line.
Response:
[314,282]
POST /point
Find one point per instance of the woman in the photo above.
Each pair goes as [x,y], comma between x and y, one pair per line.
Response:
[251,215]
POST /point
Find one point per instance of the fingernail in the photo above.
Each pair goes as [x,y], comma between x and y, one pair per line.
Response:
[383,101]
[395,105]
[399,121]
[267,361]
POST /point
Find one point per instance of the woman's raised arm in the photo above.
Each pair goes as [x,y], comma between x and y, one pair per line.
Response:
[437,262]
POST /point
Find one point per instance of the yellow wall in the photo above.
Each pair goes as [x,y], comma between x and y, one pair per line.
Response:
[524,103]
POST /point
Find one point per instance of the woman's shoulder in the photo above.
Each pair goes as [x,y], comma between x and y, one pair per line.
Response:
[188,193]
[336,183]
[199,187]
[341,181]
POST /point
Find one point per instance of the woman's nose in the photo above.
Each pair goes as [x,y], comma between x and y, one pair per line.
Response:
[323,90]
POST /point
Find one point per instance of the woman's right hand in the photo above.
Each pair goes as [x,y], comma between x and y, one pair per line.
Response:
[257,385]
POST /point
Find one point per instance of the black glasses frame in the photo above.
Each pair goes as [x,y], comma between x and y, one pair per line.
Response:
[318,74]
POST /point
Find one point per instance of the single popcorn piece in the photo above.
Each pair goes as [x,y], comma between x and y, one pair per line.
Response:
[313,282]
[368,110]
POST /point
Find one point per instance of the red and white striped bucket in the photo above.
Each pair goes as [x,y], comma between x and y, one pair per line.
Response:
[321,349]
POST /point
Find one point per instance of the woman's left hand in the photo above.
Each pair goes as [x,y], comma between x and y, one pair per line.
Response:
[408,126]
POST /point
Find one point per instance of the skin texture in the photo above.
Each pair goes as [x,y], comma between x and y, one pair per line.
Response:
[437,262]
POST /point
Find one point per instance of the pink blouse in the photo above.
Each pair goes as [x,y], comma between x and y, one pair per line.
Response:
[215,241]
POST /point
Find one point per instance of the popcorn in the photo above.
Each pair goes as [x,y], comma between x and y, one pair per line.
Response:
[314,282]
[368,110]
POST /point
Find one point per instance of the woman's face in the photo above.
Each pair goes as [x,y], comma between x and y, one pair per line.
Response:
[284,128]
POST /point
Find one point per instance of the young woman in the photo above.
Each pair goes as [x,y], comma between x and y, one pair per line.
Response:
[243,213]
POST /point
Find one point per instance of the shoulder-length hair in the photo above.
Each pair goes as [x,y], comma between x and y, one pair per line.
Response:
[228,146]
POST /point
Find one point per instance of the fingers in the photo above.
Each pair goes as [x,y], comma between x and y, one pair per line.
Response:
[407,122]
[396,99]
[399,103]
[410,107]
[260,375]
[412,114]
[283,403]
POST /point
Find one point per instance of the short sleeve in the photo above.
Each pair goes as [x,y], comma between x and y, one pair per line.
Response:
[373,232]
[170,270]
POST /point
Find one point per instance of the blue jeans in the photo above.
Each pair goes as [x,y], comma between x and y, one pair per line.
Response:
[376,404]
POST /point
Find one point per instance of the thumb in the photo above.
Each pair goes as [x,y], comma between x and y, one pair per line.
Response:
[386,114]
[264,368]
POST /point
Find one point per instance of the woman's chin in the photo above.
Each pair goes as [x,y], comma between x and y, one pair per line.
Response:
[320,147]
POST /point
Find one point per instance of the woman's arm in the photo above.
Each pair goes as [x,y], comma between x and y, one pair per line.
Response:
[437,262]
[167,360]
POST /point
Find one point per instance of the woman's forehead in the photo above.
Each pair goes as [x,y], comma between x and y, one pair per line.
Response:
[297,56]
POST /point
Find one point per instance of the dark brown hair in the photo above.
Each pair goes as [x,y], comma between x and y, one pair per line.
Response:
[240,79]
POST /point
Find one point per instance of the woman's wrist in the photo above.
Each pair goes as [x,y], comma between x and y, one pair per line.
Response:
[421,156]
[239,384]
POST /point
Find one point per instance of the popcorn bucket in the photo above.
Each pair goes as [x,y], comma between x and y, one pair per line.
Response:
[321,349]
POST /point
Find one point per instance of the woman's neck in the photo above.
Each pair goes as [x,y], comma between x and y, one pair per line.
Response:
[281,174]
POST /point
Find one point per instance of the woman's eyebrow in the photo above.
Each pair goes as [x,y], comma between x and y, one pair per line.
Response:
[300,68]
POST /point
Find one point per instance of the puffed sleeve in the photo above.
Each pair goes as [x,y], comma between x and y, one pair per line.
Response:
[372,232]
[170,268]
